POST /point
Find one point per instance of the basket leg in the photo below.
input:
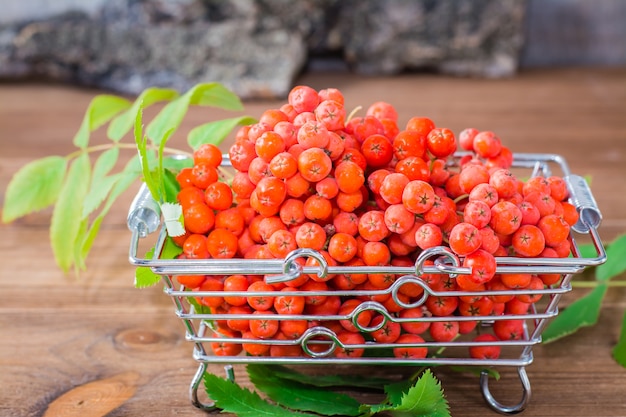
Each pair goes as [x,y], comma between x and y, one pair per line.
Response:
[195,384]
[193,390]
[495,405]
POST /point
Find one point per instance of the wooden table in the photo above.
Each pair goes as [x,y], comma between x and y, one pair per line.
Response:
[96,346]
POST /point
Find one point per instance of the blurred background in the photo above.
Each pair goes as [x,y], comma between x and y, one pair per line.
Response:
[259,47]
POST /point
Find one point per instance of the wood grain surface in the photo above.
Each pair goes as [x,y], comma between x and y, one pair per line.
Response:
[96,346]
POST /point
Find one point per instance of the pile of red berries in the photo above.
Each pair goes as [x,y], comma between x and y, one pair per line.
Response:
[362,192]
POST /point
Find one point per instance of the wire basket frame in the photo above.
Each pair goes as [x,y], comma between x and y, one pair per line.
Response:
[319,342]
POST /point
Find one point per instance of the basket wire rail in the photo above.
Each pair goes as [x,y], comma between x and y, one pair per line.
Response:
[319,342]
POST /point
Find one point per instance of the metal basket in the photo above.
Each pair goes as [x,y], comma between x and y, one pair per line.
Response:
[319,341]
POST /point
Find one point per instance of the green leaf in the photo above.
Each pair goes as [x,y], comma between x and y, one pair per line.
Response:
[581,313]
[619,350]
[215,132]
[123,123]
[101,109]
[615,260]
[171,116]
[176,163]
[425,398]
[142,148]
[34,187]
[144,277]
[90,236]
[101,184]
[215,95]
[299,396]
[396,391]
[159,174]
[79,259]
[128,176]
[242,402]
[171,186]
[329,380]
[65,225]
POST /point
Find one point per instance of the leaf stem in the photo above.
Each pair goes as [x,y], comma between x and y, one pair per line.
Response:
[104,147]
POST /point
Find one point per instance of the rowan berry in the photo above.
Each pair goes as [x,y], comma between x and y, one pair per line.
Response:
[422,125]
[483,266]
[414,167]
[235,283]
[410,352]
[331,114]
[428,235]
[342,247]
[388,332]
[486,144]
[464,239]
[409,143]
[506,218]
[554,229]
[466,138]
[392,187]
[372,226]
[363,127]
[528,241]
[311,235]
[222,243]
[444,331]
[418,196]
[471,175]
[331,94]
[303,98]
[382,110]
[218,196]
[314,165]
[198,218]
[349,176]
[377,150]
[490,351]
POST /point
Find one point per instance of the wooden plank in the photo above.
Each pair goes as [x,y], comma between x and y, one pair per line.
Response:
[98,341]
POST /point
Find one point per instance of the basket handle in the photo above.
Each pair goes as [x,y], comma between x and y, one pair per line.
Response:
[144,215]
[582,198]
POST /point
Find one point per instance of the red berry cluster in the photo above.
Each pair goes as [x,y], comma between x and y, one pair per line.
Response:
[364,192]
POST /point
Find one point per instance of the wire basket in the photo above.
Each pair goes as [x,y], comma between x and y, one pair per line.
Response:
[318,343]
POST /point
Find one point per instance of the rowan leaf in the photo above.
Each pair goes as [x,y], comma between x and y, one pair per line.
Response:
[101,183]
[170,185]
[65,224]
[619,350]
[129,175]
[123,123]
[144,277]
[424,398]
[329,380]
[171,116]
[301,396]
[215,132]
[102,108]
[615,261]
[146,167]
[34,187]
[232,398]
[581,313]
